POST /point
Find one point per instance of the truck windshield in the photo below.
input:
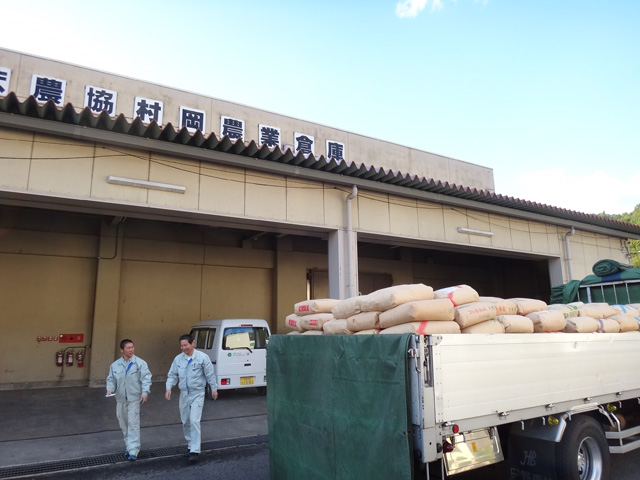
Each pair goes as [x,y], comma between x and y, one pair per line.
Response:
[245,337]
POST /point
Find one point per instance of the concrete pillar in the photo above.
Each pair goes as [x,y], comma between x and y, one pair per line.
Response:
[343,264]
[555,272]
[107,298]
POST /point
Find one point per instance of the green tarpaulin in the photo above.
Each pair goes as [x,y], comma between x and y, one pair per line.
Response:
[611,292]
[565,293]
[603,268]
[338,407]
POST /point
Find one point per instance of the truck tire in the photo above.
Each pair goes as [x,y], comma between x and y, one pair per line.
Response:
[207,392]
[583,453]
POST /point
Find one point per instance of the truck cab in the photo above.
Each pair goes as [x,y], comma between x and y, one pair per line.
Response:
[238,350]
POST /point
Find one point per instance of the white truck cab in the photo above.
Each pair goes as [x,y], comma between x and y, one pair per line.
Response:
[238,350]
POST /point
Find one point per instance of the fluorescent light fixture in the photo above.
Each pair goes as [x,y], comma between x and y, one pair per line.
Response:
[472,231]
[131,182]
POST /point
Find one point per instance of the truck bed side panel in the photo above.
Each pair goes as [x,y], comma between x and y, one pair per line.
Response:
[483,375]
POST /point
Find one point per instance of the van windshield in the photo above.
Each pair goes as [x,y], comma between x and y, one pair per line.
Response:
[245,337]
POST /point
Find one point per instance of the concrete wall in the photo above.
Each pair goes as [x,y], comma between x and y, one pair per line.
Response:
[35,163]
[587,249]
[48,269]
[359,148]
[144,280]
[152,287]
[148,281]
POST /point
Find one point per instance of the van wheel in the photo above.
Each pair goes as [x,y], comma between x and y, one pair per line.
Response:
[583,453]
[262,390]
[207,391]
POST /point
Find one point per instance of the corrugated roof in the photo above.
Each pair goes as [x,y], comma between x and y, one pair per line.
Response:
[86,118]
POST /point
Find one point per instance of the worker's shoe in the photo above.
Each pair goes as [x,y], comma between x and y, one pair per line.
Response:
[133,457]
[126,453]
[193,457]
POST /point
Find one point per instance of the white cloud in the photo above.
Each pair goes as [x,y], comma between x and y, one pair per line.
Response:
[592,192]
[411,8]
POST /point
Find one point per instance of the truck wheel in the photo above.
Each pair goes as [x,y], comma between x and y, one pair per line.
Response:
[207,392]
[583,453]
[262,390]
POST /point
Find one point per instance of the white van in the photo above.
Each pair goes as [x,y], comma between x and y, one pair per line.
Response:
[238,349]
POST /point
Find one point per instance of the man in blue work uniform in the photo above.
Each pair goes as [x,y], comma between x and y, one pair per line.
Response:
[191,370]
[130,381]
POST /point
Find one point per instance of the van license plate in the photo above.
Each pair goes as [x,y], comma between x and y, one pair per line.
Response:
[247,380]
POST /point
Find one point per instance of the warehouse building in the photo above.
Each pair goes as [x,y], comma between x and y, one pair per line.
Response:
[129,209]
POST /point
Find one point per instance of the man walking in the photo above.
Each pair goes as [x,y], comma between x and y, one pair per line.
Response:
[191,370]
[130,380]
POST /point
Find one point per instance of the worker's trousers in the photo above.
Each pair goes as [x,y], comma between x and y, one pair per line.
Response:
[128,414]
[190,413]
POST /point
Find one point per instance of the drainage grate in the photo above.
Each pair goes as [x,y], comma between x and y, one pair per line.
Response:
[51,467]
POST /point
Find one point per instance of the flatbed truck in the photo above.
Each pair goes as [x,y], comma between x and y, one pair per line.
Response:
[550,406]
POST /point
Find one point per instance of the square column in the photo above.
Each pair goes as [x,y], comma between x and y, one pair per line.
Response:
[107,297]
[343,264]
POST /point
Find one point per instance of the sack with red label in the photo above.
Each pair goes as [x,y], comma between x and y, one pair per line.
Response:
[307,307]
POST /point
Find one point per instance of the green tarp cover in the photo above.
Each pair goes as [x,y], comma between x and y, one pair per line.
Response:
[605,267]
[565,293]
[612,294]
[629,274]
[338,407]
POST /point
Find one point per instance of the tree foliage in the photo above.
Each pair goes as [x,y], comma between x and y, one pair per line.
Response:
[634,245]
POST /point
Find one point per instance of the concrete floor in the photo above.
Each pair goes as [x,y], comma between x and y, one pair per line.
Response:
[52,424]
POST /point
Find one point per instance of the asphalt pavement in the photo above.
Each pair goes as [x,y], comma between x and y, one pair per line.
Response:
[68,423]
[69,429]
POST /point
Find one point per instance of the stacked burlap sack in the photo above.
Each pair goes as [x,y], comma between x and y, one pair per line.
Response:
[417,308]
[603,318]
[309,317]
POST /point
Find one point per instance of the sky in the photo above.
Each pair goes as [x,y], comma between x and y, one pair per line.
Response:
[544,92]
